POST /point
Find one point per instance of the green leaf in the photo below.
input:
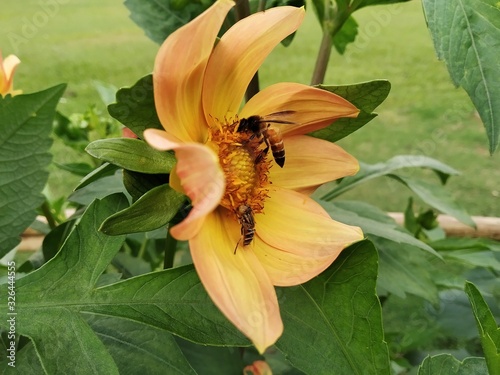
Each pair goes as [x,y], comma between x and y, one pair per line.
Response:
[80,169]
[25,127]
[446,364]
[135,106]
[370,171]
[334,321]
[132,154]
[489,332]
[98,189]
[153,210]
[466,35]
[137,348]
[366,96]
[53,298]
[347,34]
[373,222]
[159,20]
[437,197]
[138,184]
[104,170]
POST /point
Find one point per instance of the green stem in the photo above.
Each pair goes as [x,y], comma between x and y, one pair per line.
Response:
[142,249]
[170,248]
[323,58]
[47,212]
[262,5]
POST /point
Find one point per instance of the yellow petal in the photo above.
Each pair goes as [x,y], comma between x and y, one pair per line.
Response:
[7,69]
[200,176]
[288,268]
[310,162]
[312,108]
[237,283]
[178,73]
[239,54]
[295,223]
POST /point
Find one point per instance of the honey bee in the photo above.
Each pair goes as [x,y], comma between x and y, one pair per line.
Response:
[260,126]
[245,217]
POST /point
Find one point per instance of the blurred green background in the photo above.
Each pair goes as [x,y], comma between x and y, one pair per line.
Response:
[81,41]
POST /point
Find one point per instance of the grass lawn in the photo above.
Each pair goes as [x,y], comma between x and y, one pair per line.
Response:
[80,41]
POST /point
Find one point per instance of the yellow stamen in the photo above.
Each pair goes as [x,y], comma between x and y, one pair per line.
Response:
[246,174]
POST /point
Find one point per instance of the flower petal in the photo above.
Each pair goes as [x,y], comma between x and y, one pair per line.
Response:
[295,223]
[236,282]
[178,73]
[312,108]
[200,176]
[310,162]
[239,54]
[7,69]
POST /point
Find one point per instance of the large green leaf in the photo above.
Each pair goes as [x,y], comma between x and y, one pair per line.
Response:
[53,297]
[489,332]
[333,322]
[160,19]
[132,154]
[466,36]
[25,126]
[135,106]
[446,364]
[370,171]
[366,96]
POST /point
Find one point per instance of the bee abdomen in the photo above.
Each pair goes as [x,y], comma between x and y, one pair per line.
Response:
[277,145]
[248,236]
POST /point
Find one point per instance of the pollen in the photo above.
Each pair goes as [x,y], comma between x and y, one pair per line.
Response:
[245,169]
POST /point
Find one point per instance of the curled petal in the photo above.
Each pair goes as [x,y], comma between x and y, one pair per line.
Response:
[236,282]
[311,108]
[7,69]
[295,223]
[178,73]
[239,54]
[310,162]
[199,174]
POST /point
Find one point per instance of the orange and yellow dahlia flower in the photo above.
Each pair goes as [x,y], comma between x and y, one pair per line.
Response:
[198,91]
[7,68]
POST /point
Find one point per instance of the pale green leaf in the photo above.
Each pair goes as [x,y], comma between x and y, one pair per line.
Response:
[446,364]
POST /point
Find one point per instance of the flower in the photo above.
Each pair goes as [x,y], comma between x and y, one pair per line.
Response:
[237,191]
[258,368]
[7,69]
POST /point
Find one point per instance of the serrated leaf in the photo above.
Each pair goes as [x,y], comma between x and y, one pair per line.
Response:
[132,154]
[135,106]
[446,364]
[53,297]
[334,321]
[152,211]
[489,332]
[140,349]
[437,197]
[25,127]
[466,36]
[159,20]
[365,96]
[370,171]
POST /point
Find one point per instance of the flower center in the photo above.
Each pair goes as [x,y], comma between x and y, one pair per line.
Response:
[245,167]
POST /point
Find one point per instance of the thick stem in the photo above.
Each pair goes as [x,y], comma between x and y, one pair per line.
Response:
[323,58]
[170,248]
[51,220]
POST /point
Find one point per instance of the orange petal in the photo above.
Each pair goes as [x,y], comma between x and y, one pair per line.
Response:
[178,73]
[200,176]
[310,162]
[7,69]
[236,282]
[239,54]
[312,108]
[297,224]
[288,268]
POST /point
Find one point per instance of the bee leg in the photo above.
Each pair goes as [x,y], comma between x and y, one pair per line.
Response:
[237,244]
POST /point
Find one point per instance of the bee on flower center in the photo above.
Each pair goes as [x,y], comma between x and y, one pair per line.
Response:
[260,127]
[245,218]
